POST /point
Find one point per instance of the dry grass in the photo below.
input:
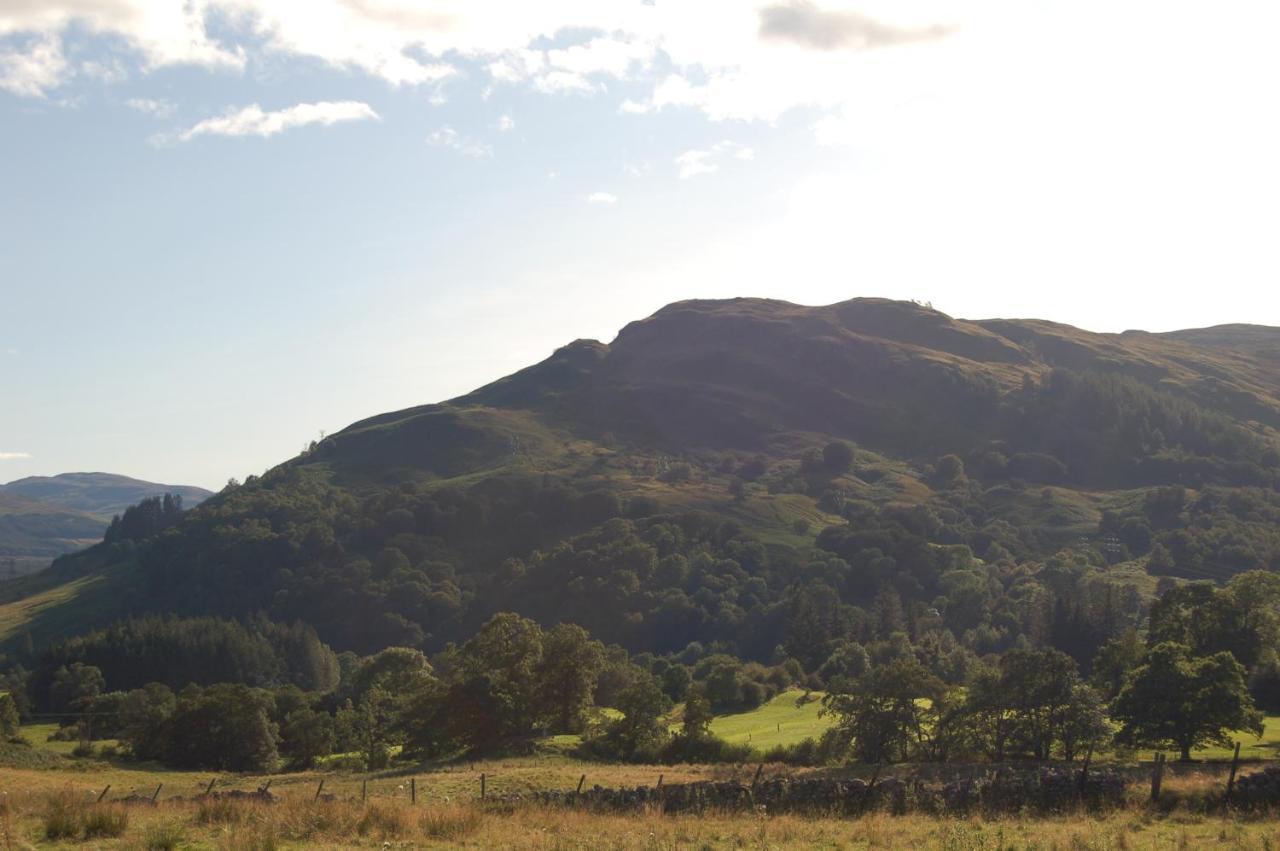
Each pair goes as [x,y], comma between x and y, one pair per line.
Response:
[68,815]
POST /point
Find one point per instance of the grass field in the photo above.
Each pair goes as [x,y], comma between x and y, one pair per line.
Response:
[785,720]
[1266,747]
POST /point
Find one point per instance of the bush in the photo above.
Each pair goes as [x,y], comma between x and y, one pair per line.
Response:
[352,763]
[707,749]
[804,752]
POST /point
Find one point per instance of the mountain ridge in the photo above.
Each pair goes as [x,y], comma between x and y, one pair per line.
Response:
[703,434]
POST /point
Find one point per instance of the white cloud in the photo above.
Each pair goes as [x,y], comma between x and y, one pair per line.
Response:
[447,137]
[724,57]
[707,160]
[557,81]
[808,25]
[611,56]
[162,33]
[149,106]
[506,123]
[14,456]
[110,70]
[35,70]
[602,198]
[252,120]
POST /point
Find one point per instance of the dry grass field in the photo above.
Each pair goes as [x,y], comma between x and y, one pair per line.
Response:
[57,808]
[53,818]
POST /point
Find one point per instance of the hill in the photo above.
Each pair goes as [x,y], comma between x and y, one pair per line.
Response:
[751,475]
[100,494]
[42,517]
[42,530]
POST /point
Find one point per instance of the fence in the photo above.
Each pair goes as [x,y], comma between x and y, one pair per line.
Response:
[933,789]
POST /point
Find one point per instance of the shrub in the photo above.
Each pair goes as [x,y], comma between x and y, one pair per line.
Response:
[710,749]
[352,763]
[804,752]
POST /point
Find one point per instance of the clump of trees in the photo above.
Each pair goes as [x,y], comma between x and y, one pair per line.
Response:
[179,651]
[149,517]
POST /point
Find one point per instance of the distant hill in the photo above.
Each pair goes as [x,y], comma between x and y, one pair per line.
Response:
[99,494]
[42,517]
[43,530]
[748,474]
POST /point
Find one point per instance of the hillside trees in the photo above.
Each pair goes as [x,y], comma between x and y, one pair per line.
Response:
[149,517]
[176,652]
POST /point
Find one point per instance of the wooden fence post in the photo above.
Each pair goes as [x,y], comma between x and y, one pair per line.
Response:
[581,780]
[1231,778]
[156,793]
[756,779]
[660,776]
[1157,775]
[319,789]
[482,785]
[104,793]
[413,790]
[209,788]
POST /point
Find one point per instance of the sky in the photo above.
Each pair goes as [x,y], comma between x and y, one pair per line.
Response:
[227,226]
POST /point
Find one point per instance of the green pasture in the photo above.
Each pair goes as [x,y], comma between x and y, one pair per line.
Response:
[789,718]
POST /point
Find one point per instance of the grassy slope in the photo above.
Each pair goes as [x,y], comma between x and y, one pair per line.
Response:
[785,720]
[18,615]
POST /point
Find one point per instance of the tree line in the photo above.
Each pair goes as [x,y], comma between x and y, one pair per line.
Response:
[1183,685]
